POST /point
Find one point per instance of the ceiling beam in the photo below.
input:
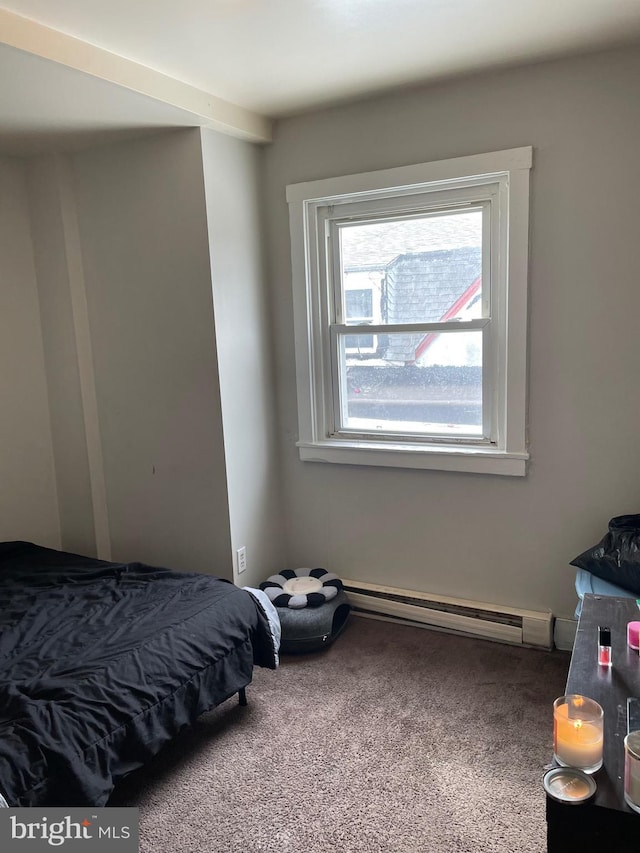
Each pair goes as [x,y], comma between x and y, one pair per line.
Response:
[208,110]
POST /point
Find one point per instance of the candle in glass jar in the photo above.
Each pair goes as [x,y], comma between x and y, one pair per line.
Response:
[632,770]
[578,732]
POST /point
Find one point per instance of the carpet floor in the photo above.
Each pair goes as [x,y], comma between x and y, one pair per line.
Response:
[394,740]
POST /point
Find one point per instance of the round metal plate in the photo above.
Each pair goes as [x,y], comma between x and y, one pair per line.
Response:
[569,785]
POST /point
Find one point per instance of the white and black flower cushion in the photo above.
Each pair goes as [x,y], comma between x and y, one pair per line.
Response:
[299,588]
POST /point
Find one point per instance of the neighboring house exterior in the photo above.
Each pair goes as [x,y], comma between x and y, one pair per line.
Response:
[416,287]
[427,287]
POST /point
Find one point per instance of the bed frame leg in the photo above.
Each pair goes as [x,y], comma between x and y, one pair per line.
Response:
[242,696]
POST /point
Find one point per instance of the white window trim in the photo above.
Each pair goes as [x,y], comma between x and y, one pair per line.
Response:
[510,456]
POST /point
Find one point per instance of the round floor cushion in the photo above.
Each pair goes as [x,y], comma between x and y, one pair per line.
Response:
[298,588]
[312,606]
[312,628]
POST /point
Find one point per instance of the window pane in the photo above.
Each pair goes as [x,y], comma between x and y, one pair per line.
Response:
[428,267]
[438,393]
[359,305]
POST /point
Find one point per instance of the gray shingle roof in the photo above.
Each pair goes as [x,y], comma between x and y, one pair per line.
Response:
[421,287]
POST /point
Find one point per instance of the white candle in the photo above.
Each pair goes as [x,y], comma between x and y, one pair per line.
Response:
[632,770]
[578,742]
[632,781]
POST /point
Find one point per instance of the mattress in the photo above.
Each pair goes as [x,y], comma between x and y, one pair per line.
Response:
[103,663]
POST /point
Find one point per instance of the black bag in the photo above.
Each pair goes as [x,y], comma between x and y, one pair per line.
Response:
[616,558]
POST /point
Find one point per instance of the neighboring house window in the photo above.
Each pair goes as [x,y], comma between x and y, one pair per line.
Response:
[410,293]
[359,311]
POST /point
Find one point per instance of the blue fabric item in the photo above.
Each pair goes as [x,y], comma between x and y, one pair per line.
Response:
[588,583]
[272,615]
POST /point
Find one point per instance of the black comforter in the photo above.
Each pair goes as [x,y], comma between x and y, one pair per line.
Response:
[102,663]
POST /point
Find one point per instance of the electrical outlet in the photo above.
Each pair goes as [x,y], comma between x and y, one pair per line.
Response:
[241,555]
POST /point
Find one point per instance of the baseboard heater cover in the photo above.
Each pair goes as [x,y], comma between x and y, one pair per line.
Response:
[493,622]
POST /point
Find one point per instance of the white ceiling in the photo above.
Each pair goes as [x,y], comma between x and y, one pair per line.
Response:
[275,57]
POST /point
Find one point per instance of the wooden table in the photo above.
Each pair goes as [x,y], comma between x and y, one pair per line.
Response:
[606,823]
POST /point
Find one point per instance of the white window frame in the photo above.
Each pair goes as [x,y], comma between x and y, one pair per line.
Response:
[502,178]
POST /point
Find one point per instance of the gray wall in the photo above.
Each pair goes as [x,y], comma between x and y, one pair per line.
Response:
[62,365]
[156,404]
[28,501]
[489,538]
[232,183]
[143,232]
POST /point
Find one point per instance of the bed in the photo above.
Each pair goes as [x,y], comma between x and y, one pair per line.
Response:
[103,663]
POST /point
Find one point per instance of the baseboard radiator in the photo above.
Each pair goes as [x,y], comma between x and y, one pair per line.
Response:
[478,619]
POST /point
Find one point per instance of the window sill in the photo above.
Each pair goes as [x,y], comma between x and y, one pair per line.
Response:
[476,460]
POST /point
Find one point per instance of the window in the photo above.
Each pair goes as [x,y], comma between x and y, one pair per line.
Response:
[410,289]
[359,311]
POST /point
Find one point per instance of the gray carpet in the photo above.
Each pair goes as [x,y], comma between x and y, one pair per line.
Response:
[394,740]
